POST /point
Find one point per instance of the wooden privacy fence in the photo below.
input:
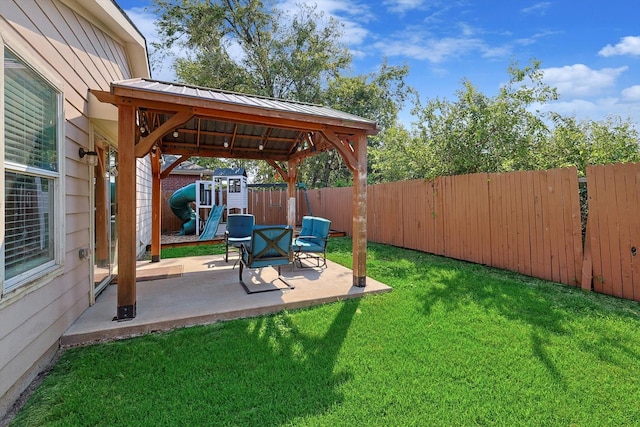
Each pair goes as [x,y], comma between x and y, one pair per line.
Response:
[270,206]
[612,244]
[527,222]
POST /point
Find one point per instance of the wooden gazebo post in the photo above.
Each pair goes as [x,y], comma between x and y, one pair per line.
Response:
[353,150]
[156,206]
[292,179]
[360,212]
[126,213]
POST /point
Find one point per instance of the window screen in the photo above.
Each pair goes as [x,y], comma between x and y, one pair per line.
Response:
[30,117]
[30,170]
[28,215]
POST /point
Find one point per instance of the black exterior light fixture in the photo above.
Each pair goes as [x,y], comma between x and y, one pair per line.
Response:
[91,156]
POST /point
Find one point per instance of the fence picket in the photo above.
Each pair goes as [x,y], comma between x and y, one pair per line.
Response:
[634,208]
[528,220]
[624,193]
[612,270]
[575,217]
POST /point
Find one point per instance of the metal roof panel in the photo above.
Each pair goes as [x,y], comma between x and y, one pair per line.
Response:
[240,99]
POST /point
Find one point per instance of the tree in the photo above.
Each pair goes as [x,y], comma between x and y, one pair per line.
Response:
[398,156]
[581,143]
[377,96]
[253,47]
[477,133]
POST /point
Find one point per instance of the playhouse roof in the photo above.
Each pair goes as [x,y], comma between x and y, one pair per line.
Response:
[229,172]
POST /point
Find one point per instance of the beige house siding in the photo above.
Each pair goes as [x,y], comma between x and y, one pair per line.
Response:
[143,211]
[73,45]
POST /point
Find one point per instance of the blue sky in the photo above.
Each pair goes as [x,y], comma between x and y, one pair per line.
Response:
[590,50]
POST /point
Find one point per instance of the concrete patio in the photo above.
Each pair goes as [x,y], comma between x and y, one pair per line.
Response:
[183,292]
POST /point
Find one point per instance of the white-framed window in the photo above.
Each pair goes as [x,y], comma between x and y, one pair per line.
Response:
[31,159]
[234,185]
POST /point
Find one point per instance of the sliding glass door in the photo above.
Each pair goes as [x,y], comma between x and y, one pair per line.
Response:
[106,212]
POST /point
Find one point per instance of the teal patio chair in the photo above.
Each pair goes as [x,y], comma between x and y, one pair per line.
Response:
[239,228]
[311,244]
[270,246]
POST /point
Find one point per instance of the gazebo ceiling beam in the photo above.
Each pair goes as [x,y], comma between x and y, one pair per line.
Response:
[297,140]
[284,174]
[144,146]
[233,135]
[221,152]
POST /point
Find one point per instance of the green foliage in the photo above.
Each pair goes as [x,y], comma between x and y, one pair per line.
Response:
[397,156]
[481,134]
[580,144]
[251,46]
[454,343]
[377,96]
[477,133]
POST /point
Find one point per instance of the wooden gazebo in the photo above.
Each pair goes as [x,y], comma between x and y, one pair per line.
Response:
[156,117]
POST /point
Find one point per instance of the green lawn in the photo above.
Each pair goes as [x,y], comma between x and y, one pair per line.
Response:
[453,344]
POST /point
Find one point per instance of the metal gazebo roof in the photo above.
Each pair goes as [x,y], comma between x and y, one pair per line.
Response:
[233,125]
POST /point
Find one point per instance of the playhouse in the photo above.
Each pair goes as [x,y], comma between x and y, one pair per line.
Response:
[231,185]
[224,192]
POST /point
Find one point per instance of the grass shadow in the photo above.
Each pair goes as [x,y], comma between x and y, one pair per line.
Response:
[507,305]
[263,371]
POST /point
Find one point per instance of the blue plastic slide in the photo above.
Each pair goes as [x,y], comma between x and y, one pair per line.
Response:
[180,204]
[210,228]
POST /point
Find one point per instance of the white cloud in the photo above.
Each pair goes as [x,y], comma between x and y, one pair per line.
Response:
[534,38]
[417,43]
[579,80]
[352,16]
[597,109]
[497,51]
[143,20]
[432,50]
[403,6]
[354,34]
[575,107]
[580,86]
[538,8]
[631,93]
[466,29]
[629,45]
